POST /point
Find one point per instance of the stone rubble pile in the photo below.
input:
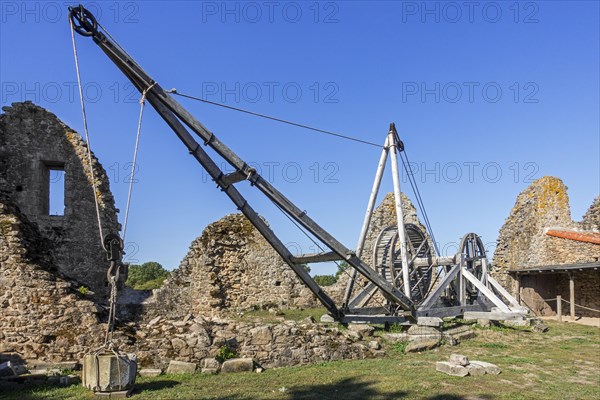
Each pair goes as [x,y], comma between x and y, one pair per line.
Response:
[459,365]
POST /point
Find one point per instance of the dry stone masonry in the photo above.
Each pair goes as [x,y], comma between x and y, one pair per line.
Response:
[231,268]
[524,243]
[34,147]
[43,317]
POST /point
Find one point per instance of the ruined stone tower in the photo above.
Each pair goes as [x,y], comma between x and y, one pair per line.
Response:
[43,161]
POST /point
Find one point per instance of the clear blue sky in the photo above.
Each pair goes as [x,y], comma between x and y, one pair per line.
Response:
[486,98]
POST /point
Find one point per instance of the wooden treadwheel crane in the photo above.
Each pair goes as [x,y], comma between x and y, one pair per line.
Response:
[403,261]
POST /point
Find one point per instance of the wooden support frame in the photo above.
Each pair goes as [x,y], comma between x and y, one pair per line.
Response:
[180,120]
[176,117]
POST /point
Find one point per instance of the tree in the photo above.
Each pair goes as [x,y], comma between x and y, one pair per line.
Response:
[325,280]
[149,275]
[342,267]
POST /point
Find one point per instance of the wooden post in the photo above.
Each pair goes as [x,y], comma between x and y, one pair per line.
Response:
[518,291]
[367,221]
[572,295]
[399,211]
[559,307]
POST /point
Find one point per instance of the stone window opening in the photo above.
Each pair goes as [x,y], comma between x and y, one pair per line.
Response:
[54,196]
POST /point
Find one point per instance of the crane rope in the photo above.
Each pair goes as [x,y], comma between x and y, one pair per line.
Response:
[417,193]
[403,157]
[87,137]
[114,270]
[297,124]
[133,163]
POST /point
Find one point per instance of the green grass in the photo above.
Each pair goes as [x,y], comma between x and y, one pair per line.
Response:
[399,347]
[494,345]
[265,316]
[534,366]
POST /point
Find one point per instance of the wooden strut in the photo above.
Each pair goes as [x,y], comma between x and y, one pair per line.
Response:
[176,116]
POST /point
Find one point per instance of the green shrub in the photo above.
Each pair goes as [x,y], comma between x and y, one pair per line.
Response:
[225,353]
[400,346]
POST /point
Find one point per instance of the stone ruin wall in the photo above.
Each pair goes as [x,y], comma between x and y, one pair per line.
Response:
[229,269]
[43,316]
[33,141]
[523,243]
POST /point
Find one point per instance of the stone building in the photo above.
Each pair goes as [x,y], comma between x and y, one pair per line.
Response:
[543,253]
[44,170]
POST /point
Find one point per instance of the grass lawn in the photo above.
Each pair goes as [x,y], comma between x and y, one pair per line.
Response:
[563,363]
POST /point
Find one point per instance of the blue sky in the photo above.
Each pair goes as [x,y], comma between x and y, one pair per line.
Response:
[486,97]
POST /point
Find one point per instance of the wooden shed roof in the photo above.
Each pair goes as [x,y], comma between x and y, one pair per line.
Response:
[561,268]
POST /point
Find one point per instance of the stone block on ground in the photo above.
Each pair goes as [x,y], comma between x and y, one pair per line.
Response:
[458,359]
[352,335]
[458,333]
[150,372]
[210,363]
[423,333]
[181,367]
[238,365]
[327,319]
[68,380]
[396,337]
[451,369]
[450,341]
[490,368]
[112,395]
[41,365]
[538,326]
[362,329]
[475,370]
[430,321]
[374,344]
[458,329]
[516,322]
[484,323]
[421,345]
[464,335]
